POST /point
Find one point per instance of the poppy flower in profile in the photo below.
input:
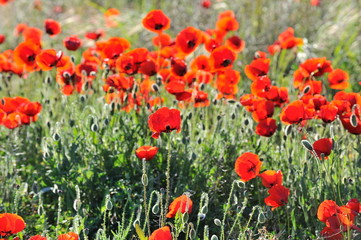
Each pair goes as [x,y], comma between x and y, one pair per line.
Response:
[178,67]
[227,23]
[222,58]
[247,166]
[206,3]
[164,120]
[188,39]
[68,236]
[156,21]
[146,152]
[109,16]
[181,204]
[338,79]
[10,224]
[2,38]
[32,34]
[95,35]
[287,39]
[354,205]
[257,68]
[52,27]
[315,67]
[162,40]
[48,58]
[129,62]
[328,113]
[278,196]
[266,127]
[271,178]
[163,233]
[37,237]
[72,43]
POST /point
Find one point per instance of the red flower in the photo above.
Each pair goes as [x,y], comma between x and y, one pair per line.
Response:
[323,146]
[2,38]
[266,127]
[247,166]
[95,35]
[271,178]
[37,237]
[315,67]
[146,152]
[331,234]
[278,196]
[68,236]
[10,224]
[235,43]
[49,58]
[327,208]
[188,39]
[164,120]
[222,58]
[161,234]
[72,43]
[52,27]
[258,68]
[328,113]
[156,21]
[25,54]
[206,3]
[295,113]
[338,79]
[181,204]
[287,39]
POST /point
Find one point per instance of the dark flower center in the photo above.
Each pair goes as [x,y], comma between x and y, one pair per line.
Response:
[158,26]
[226,63]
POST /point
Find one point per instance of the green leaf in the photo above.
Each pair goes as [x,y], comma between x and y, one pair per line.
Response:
[140,233]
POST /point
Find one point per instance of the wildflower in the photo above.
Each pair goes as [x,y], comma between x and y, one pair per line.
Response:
[181,204]
[247,166]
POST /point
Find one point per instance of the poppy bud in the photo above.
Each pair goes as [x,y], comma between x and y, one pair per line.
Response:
[307,145]
[353,120]
[217,222]
[155,208]
[155,87]
[214,237]
[94,127]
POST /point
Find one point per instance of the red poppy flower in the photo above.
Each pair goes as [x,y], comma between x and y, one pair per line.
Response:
[247,166]
[349,126]
[188,39]
[278,196]
[68,236]
[33,35]
[181,204]
[95,35]
[227,23]
[206,3]
[315,67]
[10,224]
[331,234]
[146,152]
[323,146]
[164,120]
[354,205]
[120,82]
[201,62]
[266,127]
[161,234]
[30,109]
[148,67]
[288,40]
[351,97]
[129,62]
[115,46]
[201,99]
[49,58]
[37,237]
[222,58]
[315,2]
[72,43]
[327,208]
[258,68]
[262,109]
[294,113]
[328,113]
[235,43]
[161,40]
[2,38]
[109,16]
[271,178]
[179,67]
[156,21]
[25,55]
[52,27]
[338,79]
[227,82]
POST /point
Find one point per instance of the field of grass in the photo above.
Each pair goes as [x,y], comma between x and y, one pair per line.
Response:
[74,169]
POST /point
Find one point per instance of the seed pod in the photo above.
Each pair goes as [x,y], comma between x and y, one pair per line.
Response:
[94,127]
[261,217]
[231,101]
[288,130]
[109,204]
[56,137]
[306,89]
[204,209]
[155,87]
[192,234]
